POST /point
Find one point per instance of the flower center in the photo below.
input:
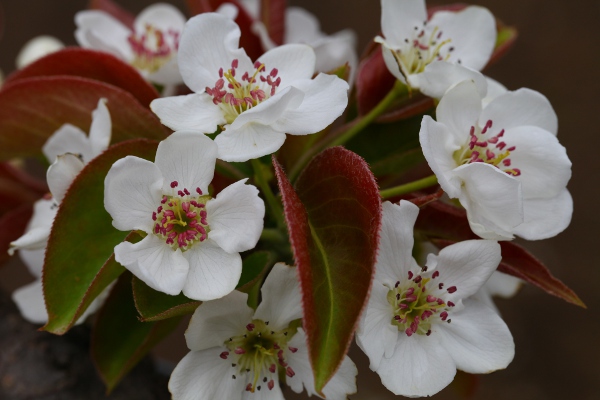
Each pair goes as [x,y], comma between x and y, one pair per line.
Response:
[422,48]
[415,309]
[485,148]
[259,353]
[181,219]
[153,48]
[234,97]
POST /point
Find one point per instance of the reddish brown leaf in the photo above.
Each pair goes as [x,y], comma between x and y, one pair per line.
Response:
[465,384]
[113,9]
[333,219]
[12,226]
[96,65]
[272,14]
[373,81]
[18,188]
[415,106]
[32,109]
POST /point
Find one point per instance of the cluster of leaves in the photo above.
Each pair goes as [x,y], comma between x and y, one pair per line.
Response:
[331,198]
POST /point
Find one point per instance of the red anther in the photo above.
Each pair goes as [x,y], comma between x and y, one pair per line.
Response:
[397,296]
[290,372]
[180,193]
[403,306]
[426,314]
[431,299]
[199,191]
[245,77]
[272,368]
[409,332]
[488,125]
[191,214]
[278,82]
[224,355]
[439,35]
[156,229]
[490,154]
[185,206]
[234,63]
[248,101]
[154,216]
[506,162]
[451,289]
[440,301]
[159,209]
[501,145]
[186,191]
[517,171]
[257,64]
[418,279]
[411,298]
[174,184]
[263,79]
[410,291]
[451,304]
[271,384]
[472,131]
[274,72]
[293,349]
[220,72]
[410,275]
[441,285]
[249,388]
[428,332]
[239,350]
[169,213]
[220,83]
[493,140]
[250,327]
[397,317]
[511,148]
[397,284]
[444,315]
[435,274]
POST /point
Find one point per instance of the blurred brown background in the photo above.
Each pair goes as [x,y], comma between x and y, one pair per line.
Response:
[558,53]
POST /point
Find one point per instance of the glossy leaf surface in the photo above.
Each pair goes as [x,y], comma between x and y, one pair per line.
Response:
[83,238]
[333,218]
[272,14]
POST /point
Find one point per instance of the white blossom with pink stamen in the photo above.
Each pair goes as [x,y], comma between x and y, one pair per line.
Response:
[193,241]
[254,104]
[150,47]
[238,353]
[502,161]
[420,325]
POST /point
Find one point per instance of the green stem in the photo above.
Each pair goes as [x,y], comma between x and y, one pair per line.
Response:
[263,184]
[409,187]
[363,122]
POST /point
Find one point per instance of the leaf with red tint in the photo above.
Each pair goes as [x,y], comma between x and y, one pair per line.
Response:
[426,199]
[153,305]
[507,37]
[18,187]
[12,226]
[119,339]
[465,385]
[82,240]
[272,14]
[418,105]
[333,219]
[249,40]
[441,220]
[373,81]
[115,10]
[32,109]
[96,65]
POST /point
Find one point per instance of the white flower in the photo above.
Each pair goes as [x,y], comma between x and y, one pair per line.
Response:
[37,48]
[193,241]
[503,162]
[68,149]
[434,55]
[419,325]
[237,353]
[499,285]
[151,47]
[256,104]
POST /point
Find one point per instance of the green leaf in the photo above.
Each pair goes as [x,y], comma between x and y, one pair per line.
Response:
[254,268]
[82,239]
[119,339]
[333,219]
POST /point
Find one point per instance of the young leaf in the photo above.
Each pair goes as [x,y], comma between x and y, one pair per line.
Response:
[32,109]
[96,65]
[83,238]
[272,14]
[119,339]
[373,81]
[333,219]
[18,188]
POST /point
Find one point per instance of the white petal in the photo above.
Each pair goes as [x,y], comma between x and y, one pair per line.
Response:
[336,50]
[235,217]
[472,32]
[101,129]
[503,285]
[265,393]
[399,18]
[459,110]
[439,76]
[195,112]
[168,76]
[325,99]
[339,387]
[30,302]
[477,339]
[214,273]
[214,322]
[38,228]
[292,61]
[492,198]
[419,367]
[99,31]
[161,16]
[269,111]
[281,300]
[301,26]
[33,239]
[376,336]
[209,42]
[132,192]
[543,161]
[546,217]
[62,173]
[390,61]
[494,89]
[205,375]
[33,260]
[439,144]
[465,266]
[394,258]
[187,158]
[68,139]
[155,263]
[521,107]
[37,48]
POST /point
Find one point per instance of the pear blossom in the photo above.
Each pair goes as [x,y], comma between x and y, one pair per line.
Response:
[502,161]
[238,353]
[193,241]
[421,323]
[433,55]
[499,285]
[68,149]
[150,46]
[37,48]
[254,104]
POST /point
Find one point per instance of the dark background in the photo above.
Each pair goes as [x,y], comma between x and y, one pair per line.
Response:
[558,54]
